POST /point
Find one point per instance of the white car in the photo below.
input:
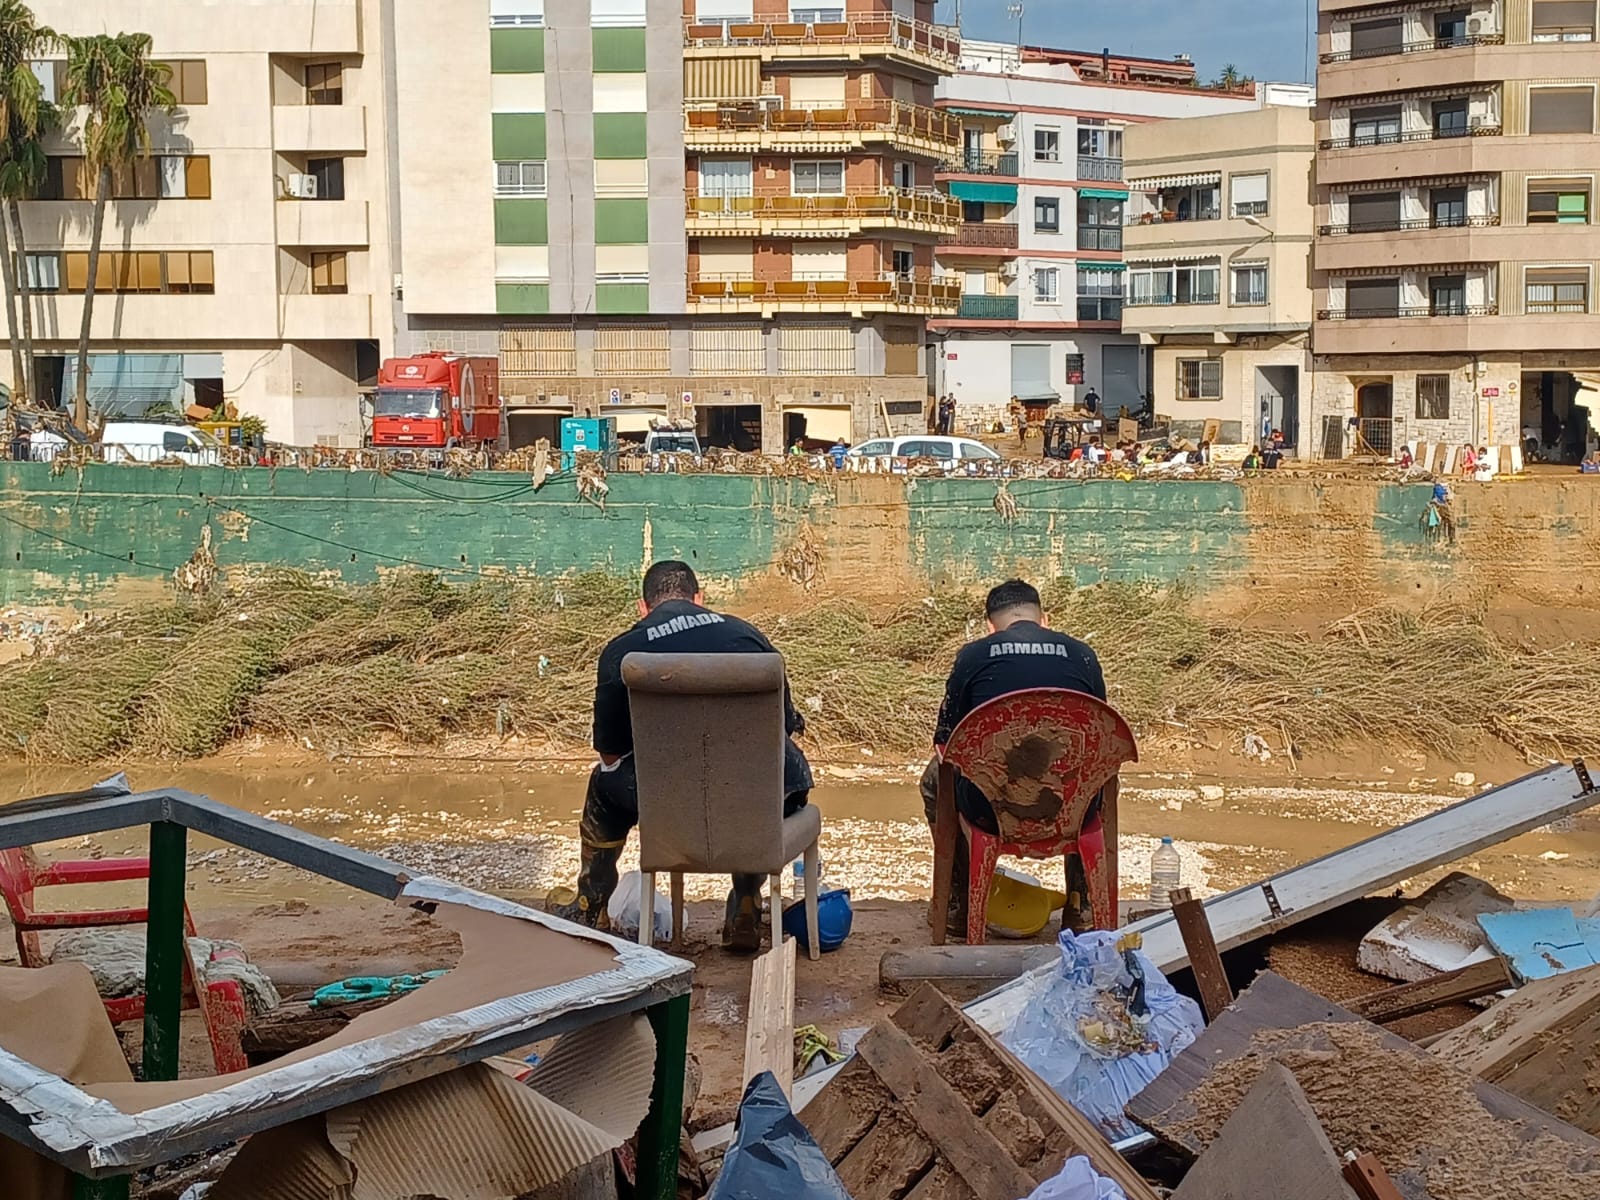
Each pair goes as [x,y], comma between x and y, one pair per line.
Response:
[949,452]
[151,441]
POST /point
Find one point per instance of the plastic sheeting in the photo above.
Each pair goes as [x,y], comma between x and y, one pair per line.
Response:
[772,1154]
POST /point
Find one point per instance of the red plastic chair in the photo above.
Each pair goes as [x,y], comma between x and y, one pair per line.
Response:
[1041,758]
[21,873]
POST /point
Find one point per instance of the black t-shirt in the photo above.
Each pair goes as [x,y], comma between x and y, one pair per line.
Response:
[674,627]
[1017,659]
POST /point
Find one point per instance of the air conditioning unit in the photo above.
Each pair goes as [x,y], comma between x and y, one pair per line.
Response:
[1477,26]
[1008,271]
[1007,133]
[303,187]
[1475,122]
[769,103]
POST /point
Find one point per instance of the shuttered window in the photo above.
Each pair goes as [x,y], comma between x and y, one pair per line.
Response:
[727,350]
[1561,110]
[1557,289]
[1372,297]
[902,350]
[529,352]
[1563,20]
[724,258]
[816,350]
[1371,38]
[1374,211]
[721,78]
[816,91]
[631,350]
[819,260]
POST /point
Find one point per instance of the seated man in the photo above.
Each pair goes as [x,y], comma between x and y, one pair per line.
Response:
[673,621]
[1020,653]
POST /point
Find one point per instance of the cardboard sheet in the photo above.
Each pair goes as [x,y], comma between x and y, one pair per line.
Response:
[53,1017]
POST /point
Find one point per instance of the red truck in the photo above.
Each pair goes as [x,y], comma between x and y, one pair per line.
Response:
[437,400]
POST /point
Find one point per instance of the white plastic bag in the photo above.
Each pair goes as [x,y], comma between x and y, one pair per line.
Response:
[1096,1034]
[623,909]
[1078,1181]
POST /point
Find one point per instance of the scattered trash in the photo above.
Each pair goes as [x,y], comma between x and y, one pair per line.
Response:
[624,908]
[1212,796]
[1255,746]
[368,987]
[1078,1181]
[772,1154]
[1463,779]
[1166,873]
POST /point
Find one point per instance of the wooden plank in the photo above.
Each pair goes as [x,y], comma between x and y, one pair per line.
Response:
[941,1114]
[1452,987]
[888,1160]
[941,1183]
[945,833]
[1366,867]
[769,1026]
[1366,1175]
[1209,975]
[1272,1139]
[960,972]
[845,1112]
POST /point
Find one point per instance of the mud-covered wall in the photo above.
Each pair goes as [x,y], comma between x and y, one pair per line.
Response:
[115,532]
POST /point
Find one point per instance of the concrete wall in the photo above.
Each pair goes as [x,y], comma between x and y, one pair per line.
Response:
[70,540]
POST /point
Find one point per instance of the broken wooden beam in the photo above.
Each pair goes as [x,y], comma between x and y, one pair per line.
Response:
[1471,982]
[960,972]
[1366,1175]
[1210,977]
[295,1024]
[769,1025]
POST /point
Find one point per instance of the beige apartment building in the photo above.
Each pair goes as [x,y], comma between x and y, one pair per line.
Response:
[1218,242]
[1457,248]
[248,260]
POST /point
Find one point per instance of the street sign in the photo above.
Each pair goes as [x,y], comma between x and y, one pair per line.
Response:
[616,395]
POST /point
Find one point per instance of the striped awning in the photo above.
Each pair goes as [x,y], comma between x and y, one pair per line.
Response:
[1105,267]
[1396,10]
[1172,260]
[1198,179]
[817,234]
[1398,269]
[1389,185]
[1404,94]
[1003,114]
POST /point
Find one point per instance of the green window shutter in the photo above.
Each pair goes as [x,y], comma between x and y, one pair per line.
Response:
[516,51]
[521,222]
[519,136]
[618,222]
[622,297]
[617,50]
[616,135]
[522,298]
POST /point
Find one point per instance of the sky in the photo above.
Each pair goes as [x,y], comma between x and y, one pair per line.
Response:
[1263,38]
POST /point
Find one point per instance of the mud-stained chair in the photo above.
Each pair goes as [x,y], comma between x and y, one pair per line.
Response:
[708,747]
[1047,761]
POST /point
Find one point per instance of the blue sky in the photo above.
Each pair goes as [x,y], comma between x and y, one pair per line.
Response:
[1264,38]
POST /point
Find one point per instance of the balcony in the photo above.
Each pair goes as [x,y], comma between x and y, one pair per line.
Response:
[934,48]
[752,125]
[1419,313]
[308,318]
[1002,164]
[988,308]
[1171,217]
[1397,226]
[1413,135]
[332,223]
[918,293]
[983,235]
[747,216]
[319,128]
[1090,167]
[1100,308]
[1425,46]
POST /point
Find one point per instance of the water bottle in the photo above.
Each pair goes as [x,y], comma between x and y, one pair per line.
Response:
[1166,873]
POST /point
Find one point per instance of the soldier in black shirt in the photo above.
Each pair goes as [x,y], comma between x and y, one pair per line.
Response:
[673,621]
[1020,653]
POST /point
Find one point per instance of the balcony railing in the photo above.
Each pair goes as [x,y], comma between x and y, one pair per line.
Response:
[984,162]
[1171,217]
[985,235]
[988,308]
[918,289]
[926,207]
[1413,135]
[1472,222]
[1424,46]
[1413,313]
[1099,308]
[1539,307]
[942,43]
[886,117]
[1092,167]
[1163,301]
[1099,237]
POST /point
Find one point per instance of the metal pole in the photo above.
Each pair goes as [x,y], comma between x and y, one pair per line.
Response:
[164,950]
[662,1129]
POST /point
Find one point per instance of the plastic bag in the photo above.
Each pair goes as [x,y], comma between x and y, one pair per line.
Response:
[623,908]
[772,1154]
[1104,1027]
[1078,1181]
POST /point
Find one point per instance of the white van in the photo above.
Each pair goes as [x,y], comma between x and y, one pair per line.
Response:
[151,441]
[949,452]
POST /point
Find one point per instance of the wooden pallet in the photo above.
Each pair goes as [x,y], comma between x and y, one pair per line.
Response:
[933,1108]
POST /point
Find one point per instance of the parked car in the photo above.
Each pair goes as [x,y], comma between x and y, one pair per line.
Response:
[151,441]
[949,452]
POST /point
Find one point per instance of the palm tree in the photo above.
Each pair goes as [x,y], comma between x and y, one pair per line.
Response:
[24,118]
[112,78]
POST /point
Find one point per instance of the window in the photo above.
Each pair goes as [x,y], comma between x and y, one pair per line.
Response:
[512,13]
[188,82]
[726,177]
[1450,28]
[1558,201]
[809,13]
[1371,38]
[1450,118]
[1448,207]
[1447,295]
[1372,298]
[1099,295]
[1047,214]
[1563,20]
[1249,283]
[329,174]
[1561,110]
[1199,285]
[1372,126]
[903,261]
[50,75]
[1199,379]
[824,178]
[44,272]
[174,442]
[1099,223]
[329,274]
[905,176]
[129,271]
[520,178]
[324,83]
[604,13]
[1097,141]
[1174,285]
[1557,289]
[163,177]
[1047,285]
[1433,397]
[1374,212]
[1047,145]
[973,211]
[1248,195]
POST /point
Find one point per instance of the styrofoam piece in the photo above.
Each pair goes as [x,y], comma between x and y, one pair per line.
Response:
[1437,932]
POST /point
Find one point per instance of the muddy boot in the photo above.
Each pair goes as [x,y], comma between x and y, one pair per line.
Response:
[741,929]
[596,881]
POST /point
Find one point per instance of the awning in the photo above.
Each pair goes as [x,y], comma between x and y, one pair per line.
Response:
[1173,260]
[1421,181]
[1003,114]
[1100,266]
[984,193]
[1175,181]
[1102,194]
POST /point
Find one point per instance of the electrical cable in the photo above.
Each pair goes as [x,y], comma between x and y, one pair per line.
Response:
[56,537]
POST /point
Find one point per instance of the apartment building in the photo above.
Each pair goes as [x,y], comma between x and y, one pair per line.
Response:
[1457,249]
[714,210]
[1038,255]
[1220,220]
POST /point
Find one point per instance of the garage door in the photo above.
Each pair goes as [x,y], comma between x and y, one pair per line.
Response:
[1030,373]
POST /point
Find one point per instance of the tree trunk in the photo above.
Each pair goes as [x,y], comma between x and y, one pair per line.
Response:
[19,383]
[19,243]
[80,402]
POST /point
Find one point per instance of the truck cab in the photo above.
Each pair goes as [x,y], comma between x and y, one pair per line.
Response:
[672,441]
[433,401]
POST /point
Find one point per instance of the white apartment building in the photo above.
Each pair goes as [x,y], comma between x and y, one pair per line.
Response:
[1040,250]
[248,260]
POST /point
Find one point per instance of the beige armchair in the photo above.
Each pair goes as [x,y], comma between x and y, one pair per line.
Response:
[708,747]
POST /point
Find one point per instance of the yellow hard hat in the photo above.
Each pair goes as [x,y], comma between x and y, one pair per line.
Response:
[1020,908]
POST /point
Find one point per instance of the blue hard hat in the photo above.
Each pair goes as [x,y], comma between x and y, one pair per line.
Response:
[834,918]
